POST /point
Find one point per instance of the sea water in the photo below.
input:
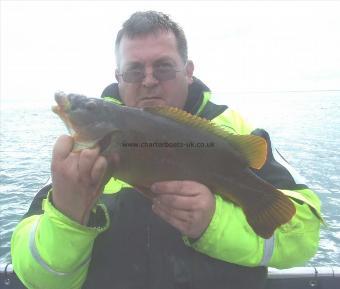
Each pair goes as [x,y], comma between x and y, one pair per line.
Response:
[305,127]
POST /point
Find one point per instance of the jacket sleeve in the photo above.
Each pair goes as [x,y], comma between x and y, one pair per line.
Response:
[49,250]
[229,237]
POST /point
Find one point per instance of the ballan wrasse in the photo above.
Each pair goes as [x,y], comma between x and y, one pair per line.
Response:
[153,144]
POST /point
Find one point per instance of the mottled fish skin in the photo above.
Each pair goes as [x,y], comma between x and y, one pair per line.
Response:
[223,168]
[89,119]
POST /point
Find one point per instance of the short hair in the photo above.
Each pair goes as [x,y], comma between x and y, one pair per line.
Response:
[144,23]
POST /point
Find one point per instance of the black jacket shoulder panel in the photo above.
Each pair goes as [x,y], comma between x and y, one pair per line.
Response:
[36,205]
[274,172]
[111,91]
[212,110]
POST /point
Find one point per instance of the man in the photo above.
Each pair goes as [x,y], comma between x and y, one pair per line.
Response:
[186,237]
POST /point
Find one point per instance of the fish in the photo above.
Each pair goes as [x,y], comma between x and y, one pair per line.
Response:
[164,143]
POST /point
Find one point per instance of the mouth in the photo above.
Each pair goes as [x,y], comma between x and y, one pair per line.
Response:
[62,101]
[151,99]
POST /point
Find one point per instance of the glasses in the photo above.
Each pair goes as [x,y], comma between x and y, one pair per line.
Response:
[161,73]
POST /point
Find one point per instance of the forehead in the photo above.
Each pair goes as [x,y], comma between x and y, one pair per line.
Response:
[148,48]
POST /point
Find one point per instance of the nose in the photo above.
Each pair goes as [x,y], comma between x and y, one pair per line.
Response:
[149,79]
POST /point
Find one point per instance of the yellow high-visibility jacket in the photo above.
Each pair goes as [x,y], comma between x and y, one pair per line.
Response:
[49,250]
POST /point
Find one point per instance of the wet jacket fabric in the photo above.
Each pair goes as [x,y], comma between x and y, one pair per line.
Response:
[125,245]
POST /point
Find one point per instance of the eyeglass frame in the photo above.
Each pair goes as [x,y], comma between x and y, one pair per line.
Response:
[153,74]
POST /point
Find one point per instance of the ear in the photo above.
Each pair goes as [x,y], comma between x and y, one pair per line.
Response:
[117,75]
[189,71]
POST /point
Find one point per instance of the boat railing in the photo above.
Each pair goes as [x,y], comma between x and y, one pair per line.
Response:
[293,278]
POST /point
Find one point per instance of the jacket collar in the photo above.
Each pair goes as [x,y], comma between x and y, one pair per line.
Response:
[192,105]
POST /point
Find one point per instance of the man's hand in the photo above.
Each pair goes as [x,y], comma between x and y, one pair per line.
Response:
[186,205]
[77,179]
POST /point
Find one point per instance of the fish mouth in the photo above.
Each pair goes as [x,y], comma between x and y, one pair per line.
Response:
[62,108]
[63,104]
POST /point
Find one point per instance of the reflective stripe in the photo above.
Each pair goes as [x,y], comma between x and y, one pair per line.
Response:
[268,251]
[41,262]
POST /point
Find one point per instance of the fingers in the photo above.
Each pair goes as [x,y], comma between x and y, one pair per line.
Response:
[169,213]
[188,188]
[62,148]
[87,159]
[181,195]
[180,220]
[179,202]
[113,160]
[186,205]
[99,170]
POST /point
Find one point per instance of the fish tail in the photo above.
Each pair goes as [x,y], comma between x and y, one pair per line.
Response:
[266,208]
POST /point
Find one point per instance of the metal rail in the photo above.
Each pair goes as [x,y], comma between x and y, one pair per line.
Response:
[304,272]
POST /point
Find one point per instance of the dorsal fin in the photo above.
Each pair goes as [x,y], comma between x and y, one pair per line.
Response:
[253,148]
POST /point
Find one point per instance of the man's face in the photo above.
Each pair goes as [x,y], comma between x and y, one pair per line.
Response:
[146,53]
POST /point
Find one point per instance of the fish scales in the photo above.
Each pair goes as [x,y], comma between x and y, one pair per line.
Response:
[160,143]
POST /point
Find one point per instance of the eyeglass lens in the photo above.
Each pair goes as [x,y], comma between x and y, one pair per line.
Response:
[161,74]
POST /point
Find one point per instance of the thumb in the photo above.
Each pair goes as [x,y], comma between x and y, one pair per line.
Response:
[62,148]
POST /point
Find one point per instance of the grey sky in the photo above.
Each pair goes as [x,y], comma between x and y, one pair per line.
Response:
[236,46]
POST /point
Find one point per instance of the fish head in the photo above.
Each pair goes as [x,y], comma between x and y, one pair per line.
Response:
[88,120]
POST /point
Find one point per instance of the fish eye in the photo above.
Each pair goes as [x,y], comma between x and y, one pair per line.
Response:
[90,105]
[76,100]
